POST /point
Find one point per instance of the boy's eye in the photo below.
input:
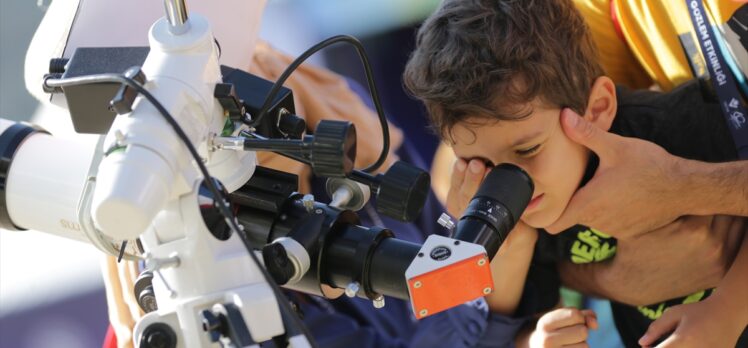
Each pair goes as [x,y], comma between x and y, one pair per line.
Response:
[529,151]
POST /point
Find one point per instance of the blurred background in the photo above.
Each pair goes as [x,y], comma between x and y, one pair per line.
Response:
[51,289]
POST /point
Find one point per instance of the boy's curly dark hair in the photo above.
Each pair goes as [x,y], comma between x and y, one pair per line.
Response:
[489,58]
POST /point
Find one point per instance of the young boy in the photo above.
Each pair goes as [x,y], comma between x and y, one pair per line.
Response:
[495,77]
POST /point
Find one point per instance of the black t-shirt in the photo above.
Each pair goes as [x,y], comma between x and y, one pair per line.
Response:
[684,125]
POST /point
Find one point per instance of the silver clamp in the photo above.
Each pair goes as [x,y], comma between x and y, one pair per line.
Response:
[228,143]
[446,221]
[155,265]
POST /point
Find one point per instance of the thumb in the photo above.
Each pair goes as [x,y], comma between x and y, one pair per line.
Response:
[660,327]
[590,319]
[585,133]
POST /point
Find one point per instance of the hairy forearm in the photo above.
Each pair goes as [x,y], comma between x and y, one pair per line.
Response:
[630,283]
[691,254]
[584,278]
[713,188]
[618,283]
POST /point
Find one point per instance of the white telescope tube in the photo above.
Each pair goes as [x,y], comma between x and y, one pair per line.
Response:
[44,180]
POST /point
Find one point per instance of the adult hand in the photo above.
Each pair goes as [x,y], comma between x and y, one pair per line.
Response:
[563,327]
[709,323]
[466,178]
[712,240]
[633,190]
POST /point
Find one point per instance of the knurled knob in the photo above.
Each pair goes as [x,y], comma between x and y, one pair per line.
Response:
[403,191]
[333,148]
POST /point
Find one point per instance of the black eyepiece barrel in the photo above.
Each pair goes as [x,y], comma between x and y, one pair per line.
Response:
[496,207]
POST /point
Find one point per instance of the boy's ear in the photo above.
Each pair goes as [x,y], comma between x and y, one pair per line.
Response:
[602,104]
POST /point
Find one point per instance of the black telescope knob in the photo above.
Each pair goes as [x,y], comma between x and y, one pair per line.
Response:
[292,125]
[333,148]
[277,263]
[403,191]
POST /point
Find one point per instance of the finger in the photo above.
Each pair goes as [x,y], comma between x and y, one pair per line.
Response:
[473,177]
[567,335]
[585,133]
[671,342]
[458,174]
[577,345]
[660,327]
[590,319]
[455,183]
[560,318]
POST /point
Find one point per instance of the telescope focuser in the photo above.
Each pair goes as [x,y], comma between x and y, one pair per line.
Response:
[401,192]
[331,151]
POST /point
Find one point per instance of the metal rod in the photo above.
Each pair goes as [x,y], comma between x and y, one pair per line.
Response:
[176,13]
[282,145]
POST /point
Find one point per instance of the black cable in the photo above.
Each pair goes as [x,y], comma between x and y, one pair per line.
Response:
[369,79]
[220,203]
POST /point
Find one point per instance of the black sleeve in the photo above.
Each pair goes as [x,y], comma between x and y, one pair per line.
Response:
[680,121]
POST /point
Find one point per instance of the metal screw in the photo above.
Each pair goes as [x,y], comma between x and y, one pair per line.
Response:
[120,137]
[210,321]
[352,289]
[211,325]
[153,263]
[423,312]
[417,284]
[446,221]
[481,262]
[308,202]
[487,291]
[379,302]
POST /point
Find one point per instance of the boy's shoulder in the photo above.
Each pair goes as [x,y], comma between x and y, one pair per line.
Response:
[681,121]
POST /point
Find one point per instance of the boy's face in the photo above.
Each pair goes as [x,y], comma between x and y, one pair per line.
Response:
[538,145]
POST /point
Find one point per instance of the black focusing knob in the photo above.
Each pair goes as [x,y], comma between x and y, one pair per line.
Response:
[333,149]
[403,191]
[57,65]
[277,263]
[292,125]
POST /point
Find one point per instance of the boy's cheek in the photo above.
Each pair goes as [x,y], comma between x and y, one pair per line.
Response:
[533,221]
[543,217]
